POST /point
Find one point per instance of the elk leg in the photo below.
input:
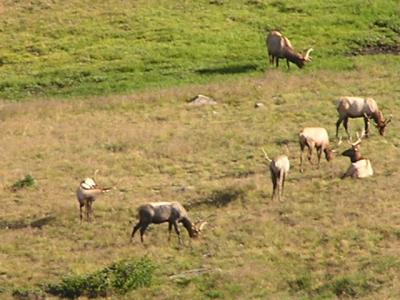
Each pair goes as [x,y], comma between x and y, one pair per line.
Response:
[309,154]
[137,226]
[81,211]
[366,123]
[283,182]
[169,231]
[271,59]
[319,153]
[87,211]
[337,126]
[345,124]
[177,232]
[287,62]
[277,61]
[142,230]
[274,184]
[91,211]
[280,186]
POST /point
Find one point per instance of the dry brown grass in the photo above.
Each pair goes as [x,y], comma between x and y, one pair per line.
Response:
[151,146]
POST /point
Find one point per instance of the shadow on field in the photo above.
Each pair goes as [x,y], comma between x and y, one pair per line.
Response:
[20,224]
[219,198]
[228,69]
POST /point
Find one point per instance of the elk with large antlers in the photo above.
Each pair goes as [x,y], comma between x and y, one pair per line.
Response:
[315,137]
[360,166]
[279,46]
[86,194]
[279,168]
[161,212]
[357,107]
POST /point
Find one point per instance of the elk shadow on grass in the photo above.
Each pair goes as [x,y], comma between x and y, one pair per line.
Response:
[22,223]
[234,69]
[220,198]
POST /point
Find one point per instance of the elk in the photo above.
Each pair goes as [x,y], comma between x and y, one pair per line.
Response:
[86,194]
[279,168]
[315,137]
[360,166]
[161,212]
[279,46]
[357,107]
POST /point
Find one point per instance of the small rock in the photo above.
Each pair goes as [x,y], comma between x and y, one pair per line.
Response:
[259,105]
[202,100]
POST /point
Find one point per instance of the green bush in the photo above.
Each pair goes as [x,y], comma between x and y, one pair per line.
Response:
[27,181]
[120,278]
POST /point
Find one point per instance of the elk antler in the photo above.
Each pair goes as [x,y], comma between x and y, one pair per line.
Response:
[389,120]
[266,155]
[307,57]
[359,139]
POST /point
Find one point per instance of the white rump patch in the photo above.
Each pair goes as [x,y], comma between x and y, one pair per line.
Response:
[88,183]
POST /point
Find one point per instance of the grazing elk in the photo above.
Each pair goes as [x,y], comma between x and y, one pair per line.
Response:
[161,212]
[86,194]
[357,107]
[315,137]
[360,166]
[279,168]
[279,46]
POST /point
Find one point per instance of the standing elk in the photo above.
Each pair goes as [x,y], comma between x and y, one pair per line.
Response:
[161,212]
[86,194]
[315,137]
[279,46]
[360,166]
[279,168]
[357,107]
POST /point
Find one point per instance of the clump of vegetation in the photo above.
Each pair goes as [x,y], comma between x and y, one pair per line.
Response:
[27,181]
[28,293]
[120,277]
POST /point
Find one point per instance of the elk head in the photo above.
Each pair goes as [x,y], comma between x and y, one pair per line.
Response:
[381,125]
[354,152]
[329,153]
[197,228]
[302,60]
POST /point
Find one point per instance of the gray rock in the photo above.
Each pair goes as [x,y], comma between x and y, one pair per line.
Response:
[202,100]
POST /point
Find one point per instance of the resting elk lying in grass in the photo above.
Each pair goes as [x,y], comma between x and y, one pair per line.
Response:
[279,46]
[357,107]
[360,166]
[315,137]
[86,194]
[162,212]
[279,168]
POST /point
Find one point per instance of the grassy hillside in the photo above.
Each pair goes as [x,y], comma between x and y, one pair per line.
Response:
[76,64]
[329,238]
[76,48]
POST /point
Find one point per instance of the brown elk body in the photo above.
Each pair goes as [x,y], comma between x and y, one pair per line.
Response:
[315,137]
[86,194]
[279,46]
[162,212]
[360,167]
[357,107]
[279,169]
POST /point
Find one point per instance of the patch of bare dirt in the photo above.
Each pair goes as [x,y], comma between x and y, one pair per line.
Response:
[377,49]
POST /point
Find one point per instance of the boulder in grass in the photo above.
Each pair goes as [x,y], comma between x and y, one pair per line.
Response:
[202,100]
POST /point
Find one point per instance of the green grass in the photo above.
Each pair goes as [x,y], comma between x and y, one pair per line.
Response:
[81,48]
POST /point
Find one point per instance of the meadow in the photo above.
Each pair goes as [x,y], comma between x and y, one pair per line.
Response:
[128,123]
